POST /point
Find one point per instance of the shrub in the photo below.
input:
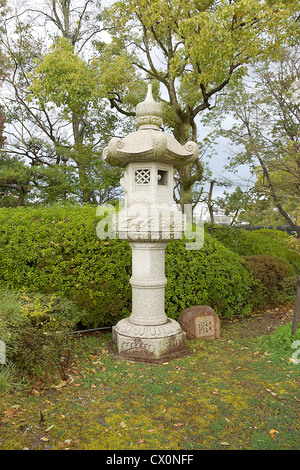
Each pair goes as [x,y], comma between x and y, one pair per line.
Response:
[41,353]
[50,312]
[35,329]
[56,250]
[276,279]
[12,319]
[45,341]
[280,343]
[10,379]
[212,276]
[11,322]
[259,242]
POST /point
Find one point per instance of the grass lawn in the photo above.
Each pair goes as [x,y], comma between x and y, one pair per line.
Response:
[228,394]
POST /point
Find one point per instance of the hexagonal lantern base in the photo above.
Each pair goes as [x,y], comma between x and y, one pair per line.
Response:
[156,344]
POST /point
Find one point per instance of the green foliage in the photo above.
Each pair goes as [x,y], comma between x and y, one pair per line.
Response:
[203,45]
[259,242]
[56,250]
[41,353]
[125,81]
[50,312]
[59,119]
[280,342]
[10,380]
[265,131]
[276,278]
[211,276]
[213,35]
[35,329]
[14,180]
[11,318]
[65,79]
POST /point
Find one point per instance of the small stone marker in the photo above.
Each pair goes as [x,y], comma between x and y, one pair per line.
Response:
[200,321]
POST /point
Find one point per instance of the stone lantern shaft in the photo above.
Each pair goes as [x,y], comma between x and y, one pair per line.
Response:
[148,283]
[148,221]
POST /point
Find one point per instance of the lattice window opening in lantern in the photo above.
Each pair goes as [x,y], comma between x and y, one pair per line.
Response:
[162,177]
[142,176]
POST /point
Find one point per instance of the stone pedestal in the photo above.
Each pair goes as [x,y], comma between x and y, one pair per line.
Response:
[148,335]
[148,283]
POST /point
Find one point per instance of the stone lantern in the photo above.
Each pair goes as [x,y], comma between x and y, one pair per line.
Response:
[148,221]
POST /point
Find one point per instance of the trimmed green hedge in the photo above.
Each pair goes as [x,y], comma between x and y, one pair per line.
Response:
[213,276]
[56,250]
[259,242]
[277,279]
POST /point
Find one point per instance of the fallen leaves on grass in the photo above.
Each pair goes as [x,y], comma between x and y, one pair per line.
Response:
[59,385]
[63,445]
[270,391]
[50,427]
[10,412]
[13,412]
[272,433]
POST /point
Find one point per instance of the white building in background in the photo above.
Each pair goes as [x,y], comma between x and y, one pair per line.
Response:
[220,218]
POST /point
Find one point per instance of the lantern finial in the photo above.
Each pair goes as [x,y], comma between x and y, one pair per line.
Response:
[149,112]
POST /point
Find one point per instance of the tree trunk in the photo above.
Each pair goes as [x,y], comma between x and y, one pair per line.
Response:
[182,133]
[234,217]
[22,195]
[211,207]
[276,200]
[78,134]
[185,186]
[270,185]
[84,182]
[2,121]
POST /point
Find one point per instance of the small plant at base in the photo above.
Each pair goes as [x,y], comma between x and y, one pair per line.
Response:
[10,379]
[280,342]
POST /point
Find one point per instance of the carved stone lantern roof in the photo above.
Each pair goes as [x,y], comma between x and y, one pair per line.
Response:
[149,142]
